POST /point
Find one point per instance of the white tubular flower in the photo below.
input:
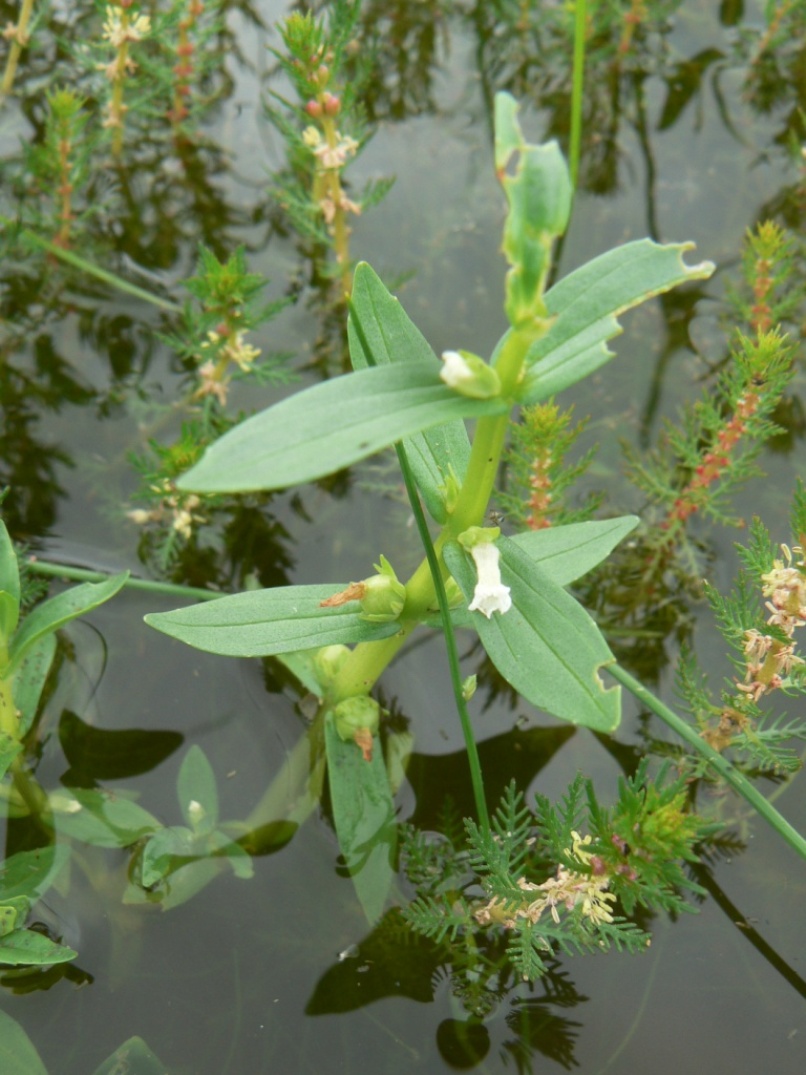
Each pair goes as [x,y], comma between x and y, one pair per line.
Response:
[490,594]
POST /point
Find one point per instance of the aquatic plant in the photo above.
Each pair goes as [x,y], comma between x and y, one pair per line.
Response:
[509,590]
[323,131]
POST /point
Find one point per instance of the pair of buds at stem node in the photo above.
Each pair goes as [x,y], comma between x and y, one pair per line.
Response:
[382,596]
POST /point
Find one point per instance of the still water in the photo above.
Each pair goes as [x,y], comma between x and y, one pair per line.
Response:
[281,972]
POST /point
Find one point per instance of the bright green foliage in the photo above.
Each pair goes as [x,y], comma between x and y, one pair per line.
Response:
[330,426]
[380,333]
[545,886]
[584,308]
[24,877]
[547,646]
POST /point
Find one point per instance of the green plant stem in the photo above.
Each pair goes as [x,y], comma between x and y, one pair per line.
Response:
[369,659]
[16,47]
[80,574]
[474,762]
[721,765]
[103,275]
[577,89]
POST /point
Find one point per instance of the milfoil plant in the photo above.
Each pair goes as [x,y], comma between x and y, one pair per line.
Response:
[339,638]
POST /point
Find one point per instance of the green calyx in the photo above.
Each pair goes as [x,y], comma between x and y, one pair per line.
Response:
[357,714]
[383,595]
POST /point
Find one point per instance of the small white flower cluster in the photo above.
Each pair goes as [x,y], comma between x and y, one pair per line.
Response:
[770,661]
[330,156]
[568,889]
[117,31]
[181,510]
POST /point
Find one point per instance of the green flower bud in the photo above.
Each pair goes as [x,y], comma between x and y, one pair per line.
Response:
[469,375]
[469,687]
[356,714]
[327,663]
[383,595]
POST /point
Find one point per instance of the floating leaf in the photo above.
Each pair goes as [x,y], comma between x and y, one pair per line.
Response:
[26,947]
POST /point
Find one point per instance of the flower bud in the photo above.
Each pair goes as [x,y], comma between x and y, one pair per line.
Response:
[356,714]
[314,108]
[328,662]
[469,687]
[332,104]
[469,375]
[383,595]
[383,599]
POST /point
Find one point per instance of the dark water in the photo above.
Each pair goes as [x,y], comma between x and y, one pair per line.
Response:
[247,978]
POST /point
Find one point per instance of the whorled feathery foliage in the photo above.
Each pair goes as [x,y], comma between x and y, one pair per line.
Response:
[545,887]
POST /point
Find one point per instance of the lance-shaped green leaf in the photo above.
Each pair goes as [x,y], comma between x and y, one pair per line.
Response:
[566,553]
[29,679]
[586,305]
[330,426]
[260,623]
[364,815]
[57,611]
[9,586]
[546,646]
[381,333]
[197,789]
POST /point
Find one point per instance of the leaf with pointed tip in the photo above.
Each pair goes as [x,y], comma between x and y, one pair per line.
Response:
[380,328]
[29,679]
[196,784]
[330,426]
[566,553]
[586,305]
[57,611]
[259,623]
[546,646]
[133,1057]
